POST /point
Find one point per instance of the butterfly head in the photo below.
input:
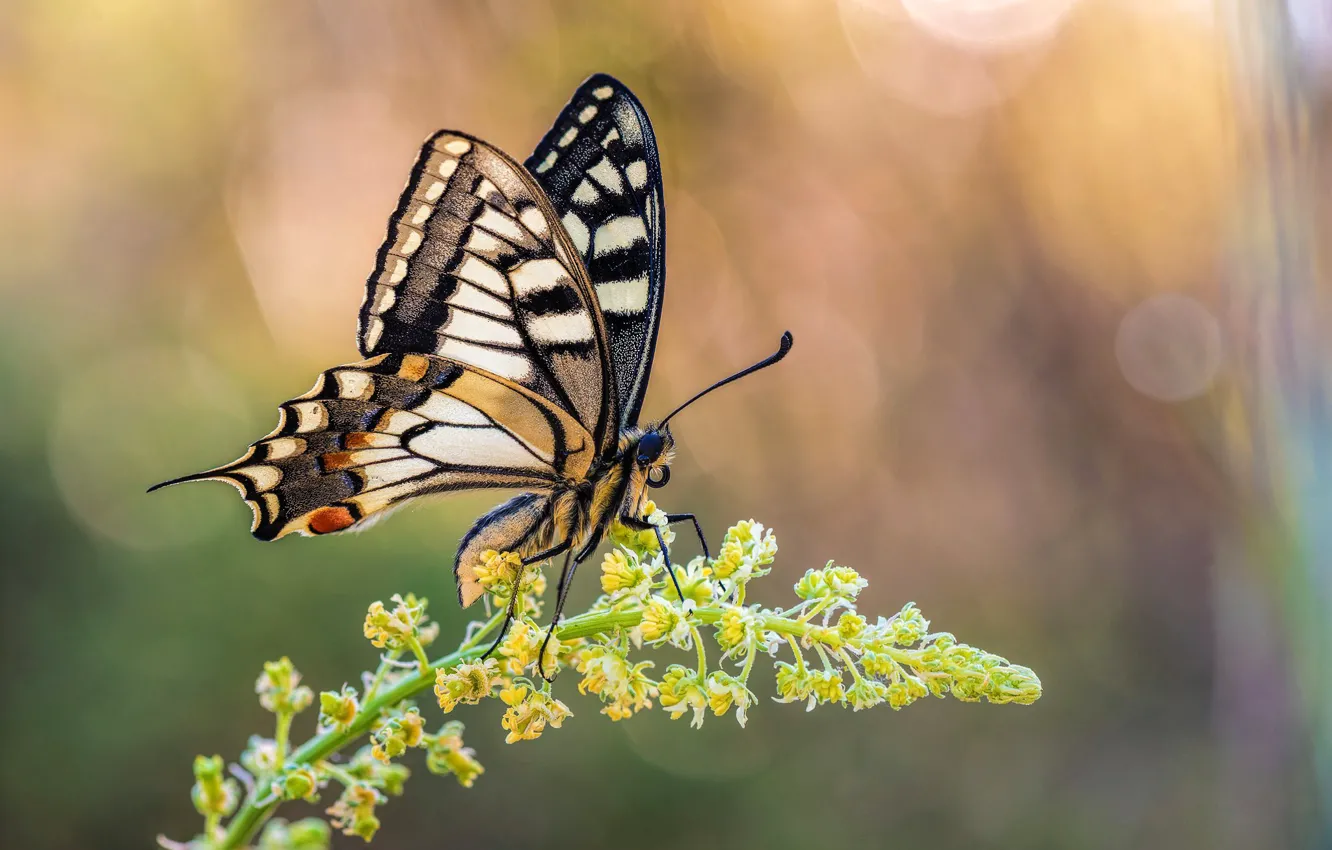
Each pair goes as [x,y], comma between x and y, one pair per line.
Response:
[653,455]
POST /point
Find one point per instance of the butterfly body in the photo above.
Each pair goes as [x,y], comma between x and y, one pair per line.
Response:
[508,330]
[575,513]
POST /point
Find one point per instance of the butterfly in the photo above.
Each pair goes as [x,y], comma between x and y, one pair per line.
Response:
[508,332]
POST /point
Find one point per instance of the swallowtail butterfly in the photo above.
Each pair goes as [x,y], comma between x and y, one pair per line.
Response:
[508,330]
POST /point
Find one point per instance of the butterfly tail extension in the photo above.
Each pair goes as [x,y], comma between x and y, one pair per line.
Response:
[372,435]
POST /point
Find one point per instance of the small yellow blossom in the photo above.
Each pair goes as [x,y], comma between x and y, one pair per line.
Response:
[724,691]
[280,690]
[396,630]
[841,583]
[529,713]
[519,649]
[845,582]
[624,687]
[623,575]
[338,709]
[396,735]
[662,621]
[826,686]
[643,542]
[850,625]
[866,693]
[466,684]
[745,550]
[695,582]
[637,694]
[736,628]
[299,783]
[605,671]
[354,812]
[877,664]
[681,691]
[446,754]
[212,794]
[908,625]
[730,560]
[496,568]
[794,683]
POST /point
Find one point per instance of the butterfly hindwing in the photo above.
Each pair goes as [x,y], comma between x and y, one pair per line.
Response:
[478,268]
[515,526]
[600,169]
[374,434]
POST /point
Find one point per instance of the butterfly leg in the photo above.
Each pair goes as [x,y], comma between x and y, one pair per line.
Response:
[549,553]
[674,518]
[671,519]
[643,525]
[513,599]
[561,591]
[508,617]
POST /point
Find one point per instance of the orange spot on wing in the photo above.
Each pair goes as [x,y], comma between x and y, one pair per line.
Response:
[337,460]
[328,520]
[413,367]
[359,440]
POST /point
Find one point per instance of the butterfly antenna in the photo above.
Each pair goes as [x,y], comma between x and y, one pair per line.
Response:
[782,350]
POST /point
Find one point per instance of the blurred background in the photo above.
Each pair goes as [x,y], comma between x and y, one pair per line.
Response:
[1055,275]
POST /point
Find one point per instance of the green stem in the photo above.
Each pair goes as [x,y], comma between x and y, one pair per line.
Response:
[850,665]
[816,609]
[256,810]
[422,660]
[702,654]
[280,738]
[799,657]
[749,662]
[253,814]
[385,662]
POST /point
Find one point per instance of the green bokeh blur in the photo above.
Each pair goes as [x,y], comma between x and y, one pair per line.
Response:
[1016,247]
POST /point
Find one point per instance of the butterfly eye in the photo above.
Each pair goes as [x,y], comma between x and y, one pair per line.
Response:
[650,447]
[663,476]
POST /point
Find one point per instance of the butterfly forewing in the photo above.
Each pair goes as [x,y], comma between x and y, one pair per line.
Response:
[373,434]
[600,169]
[477,268]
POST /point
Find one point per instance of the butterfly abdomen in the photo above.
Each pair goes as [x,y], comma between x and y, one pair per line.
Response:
[521,525]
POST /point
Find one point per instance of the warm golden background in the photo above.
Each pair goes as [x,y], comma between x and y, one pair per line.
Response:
[1053,272]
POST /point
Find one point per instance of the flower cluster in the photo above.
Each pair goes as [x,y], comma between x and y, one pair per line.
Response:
[499,570]
[826,653]
[402,629]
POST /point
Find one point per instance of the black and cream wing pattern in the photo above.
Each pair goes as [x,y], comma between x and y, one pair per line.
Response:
[599,166]
[487,363]
[478,268]
[371,435]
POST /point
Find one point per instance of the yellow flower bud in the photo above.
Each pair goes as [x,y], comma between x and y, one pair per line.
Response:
[662,621]
[623,575]
[338,709]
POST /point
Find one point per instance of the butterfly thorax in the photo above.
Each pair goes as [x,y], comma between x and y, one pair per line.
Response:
[615,486]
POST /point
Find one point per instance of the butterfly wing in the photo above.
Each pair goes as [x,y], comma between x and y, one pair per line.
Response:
[600,169]
[373,434]
[478,268]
